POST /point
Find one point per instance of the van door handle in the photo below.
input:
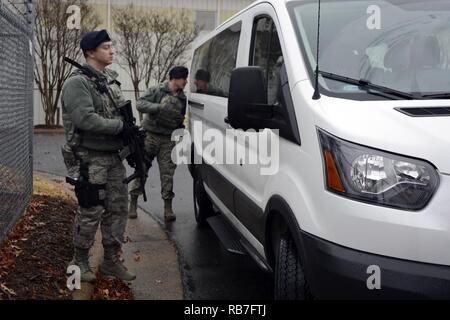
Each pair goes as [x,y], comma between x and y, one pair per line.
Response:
[196,104]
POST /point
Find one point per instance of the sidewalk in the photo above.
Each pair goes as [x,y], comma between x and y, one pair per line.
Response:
[148,252]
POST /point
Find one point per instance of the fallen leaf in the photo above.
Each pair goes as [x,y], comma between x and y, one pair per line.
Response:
[7,290]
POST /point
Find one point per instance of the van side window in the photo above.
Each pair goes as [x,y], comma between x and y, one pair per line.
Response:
[266,53]
[213,62]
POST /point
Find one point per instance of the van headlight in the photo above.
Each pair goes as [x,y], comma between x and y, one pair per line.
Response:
[374,176]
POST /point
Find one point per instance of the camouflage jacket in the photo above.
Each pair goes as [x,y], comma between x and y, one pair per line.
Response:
[163,110]
[90,118]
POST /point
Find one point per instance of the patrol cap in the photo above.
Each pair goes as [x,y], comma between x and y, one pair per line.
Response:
[202,75]
[93,39]
[179,72]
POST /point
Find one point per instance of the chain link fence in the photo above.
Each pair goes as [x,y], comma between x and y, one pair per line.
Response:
[16,112]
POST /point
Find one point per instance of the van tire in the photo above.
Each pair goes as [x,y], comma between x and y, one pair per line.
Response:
[290,280]
[203,208]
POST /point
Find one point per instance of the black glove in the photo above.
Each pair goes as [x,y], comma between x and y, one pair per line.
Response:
[131,162]
[127,133]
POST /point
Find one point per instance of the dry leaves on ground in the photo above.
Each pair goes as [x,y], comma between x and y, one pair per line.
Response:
[34,257]
[107,288]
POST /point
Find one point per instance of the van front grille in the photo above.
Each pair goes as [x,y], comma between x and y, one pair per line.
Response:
[426,111]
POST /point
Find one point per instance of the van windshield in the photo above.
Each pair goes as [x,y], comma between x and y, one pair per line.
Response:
[399,44]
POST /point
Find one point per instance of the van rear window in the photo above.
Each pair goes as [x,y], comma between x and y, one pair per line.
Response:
[214,61]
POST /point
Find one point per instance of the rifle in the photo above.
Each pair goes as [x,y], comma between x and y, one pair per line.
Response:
[134,145]
[134,148]
[101,85]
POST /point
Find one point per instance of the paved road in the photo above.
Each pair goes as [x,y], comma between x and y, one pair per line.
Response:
[209,271]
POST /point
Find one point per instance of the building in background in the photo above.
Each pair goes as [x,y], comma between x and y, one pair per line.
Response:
[207,14]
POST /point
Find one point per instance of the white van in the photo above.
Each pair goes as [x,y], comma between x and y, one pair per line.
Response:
[359,205]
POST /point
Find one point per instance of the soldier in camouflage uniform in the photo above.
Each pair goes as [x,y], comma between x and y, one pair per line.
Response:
[94,130]
[164,108]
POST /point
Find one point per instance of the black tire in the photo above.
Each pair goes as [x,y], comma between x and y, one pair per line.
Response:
[203,208]
[290,280]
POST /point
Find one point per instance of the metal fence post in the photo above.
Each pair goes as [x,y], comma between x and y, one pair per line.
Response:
[16,111]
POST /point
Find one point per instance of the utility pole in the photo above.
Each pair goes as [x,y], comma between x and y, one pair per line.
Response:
[30,6]
[109,15]
[219,9]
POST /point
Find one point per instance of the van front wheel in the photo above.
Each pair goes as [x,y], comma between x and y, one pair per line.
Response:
[290,281]
[203,208]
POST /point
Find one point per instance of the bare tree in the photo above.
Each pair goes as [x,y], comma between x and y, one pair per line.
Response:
[53,41]
[179,32]
[132,27]
[151,42]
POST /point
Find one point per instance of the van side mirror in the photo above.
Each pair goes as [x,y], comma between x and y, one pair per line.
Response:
[247,102]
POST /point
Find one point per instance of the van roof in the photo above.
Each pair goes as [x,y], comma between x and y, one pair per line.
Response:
[275,3]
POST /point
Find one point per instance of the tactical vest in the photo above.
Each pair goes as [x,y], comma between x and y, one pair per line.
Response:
[104,107]
[170,115]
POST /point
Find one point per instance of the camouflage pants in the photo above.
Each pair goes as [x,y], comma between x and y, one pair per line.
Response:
[104,168]
[159,146]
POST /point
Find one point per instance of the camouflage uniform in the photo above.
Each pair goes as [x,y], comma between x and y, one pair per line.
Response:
[104,168]
[93,125]
[163,113]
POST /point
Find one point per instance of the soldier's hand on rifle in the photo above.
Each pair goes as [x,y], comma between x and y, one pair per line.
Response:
[130,132]
[182,126]
[131,161]
[127,133]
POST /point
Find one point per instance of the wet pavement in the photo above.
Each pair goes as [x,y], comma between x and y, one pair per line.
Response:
[209,271]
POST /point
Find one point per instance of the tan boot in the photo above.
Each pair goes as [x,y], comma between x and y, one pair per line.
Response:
[112,266]
[81,259]
[132,212]
[169,216]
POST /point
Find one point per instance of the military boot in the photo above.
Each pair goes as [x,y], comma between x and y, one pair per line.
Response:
[169,216]
[112,266]
[132,212]
[81,259]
